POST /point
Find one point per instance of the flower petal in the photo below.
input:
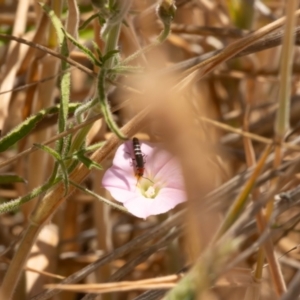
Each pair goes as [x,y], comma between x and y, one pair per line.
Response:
[123,157]
[171,196]
[144,207]
[161,168]
[116,178]
[121,195]
[159,159]
[170,174]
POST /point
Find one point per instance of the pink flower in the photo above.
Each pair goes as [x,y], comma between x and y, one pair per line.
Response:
[160,188]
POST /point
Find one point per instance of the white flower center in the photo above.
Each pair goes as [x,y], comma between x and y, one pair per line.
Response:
[148,188]
[150,192]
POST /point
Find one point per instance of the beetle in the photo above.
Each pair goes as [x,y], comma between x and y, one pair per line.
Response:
[139,158]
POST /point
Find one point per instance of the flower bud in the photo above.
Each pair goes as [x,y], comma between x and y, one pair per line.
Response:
[99,3]
[166,11]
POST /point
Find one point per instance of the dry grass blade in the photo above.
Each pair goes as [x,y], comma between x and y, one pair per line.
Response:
[137,242]
[198,85]
[236,47]
[14,58]
[146,284]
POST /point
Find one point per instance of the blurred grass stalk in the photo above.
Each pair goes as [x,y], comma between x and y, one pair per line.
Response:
[283,113]
[188,286]
[282,121]
[281,128]
[253,292]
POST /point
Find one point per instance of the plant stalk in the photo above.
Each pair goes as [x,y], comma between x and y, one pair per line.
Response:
[51,201]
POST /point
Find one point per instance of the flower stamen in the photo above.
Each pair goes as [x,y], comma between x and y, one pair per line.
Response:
[150,192]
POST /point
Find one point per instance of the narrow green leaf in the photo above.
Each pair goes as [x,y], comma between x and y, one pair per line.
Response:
[105,107]
[65,97]
[88,21]
[15,204]
[109,54]
[20,131]
[26,126]
[55,22]
[11,178]
[88,162]
[53,175]
[98,50]
[83,151]
[50,151]
[119,69]
[93,147]
[84,107]
[101,20]
[59,160]
[66,77]
[67,146]
[65,176]
[90,55]
[73,165]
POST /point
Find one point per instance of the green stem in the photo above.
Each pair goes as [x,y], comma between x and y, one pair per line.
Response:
[283,112]
[159,40]
[48,205]
[111,44]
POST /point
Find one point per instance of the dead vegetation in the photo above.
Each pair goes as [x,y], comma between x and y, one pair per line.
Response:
[215,83]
